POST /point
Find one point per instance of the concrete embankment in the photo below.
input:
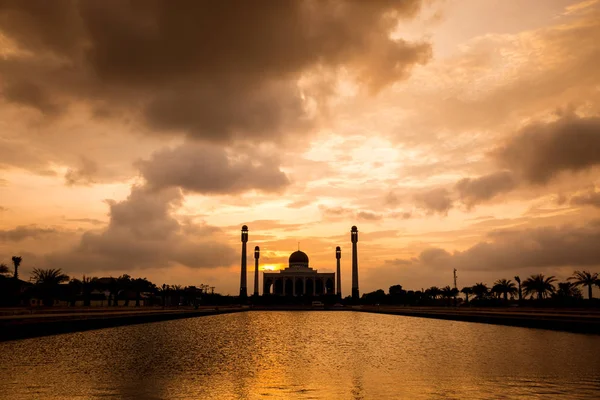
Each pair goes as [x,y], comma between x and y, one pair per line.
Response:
[35,325]
[579,321]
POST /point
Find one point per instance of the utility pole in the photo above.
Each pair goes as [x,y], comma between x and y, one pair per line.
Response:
[455,279]
[455,288]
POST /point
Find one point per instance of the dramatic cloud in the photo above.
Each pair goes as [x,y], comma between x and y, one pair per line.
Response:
[436,200]
[368,216]
[142,233]
[25,232]
[341,213]
[215,70]
[473,191]
[210,170]
[543,150]
[83,175]
[545,247]
[591,198]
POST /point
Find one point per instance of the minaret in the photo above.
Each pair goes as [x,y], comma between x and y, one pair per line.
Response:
[354,238]
[243,286]
[256,256]
[338,255]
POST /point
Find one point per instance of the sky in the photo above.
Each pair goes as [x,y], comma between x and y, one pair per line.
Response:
[138,137]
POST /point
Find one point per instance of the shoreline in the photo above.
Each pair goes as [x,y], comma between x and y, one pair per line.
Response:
[580,321]
[31,325]
[47,324]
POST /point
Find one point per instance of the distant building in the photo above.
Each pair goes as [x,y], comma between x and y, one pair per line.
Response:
[298,279]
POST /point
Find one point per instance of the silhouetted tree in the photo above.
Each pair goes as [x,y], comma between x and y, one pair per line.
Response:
[467,291]
[539,284]
[176,290]
[448,293]
[163,294]
[397,294]
[433,292]
[4,270]
[47,281]
[480,290]
[505,287]
[518,279]
[585,278]
[75,288]
[141,285]
[124,283]
[113,289]
[87,285]
[16,262]
[376,297]
[395,290]
[568,290]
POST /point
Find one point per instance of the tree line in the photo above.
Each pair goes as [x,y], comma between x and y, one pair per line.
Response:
[534,290]
[51,285]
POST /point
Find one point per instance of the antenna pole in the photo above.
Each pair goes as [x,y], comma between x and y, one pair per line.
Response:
[455,279]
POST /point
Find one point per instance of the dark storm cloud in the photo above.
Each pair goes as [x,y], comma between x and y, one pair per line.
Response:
[209,170]
[28,93]
[83,175]
[591,198]
[545,247]
[536,155]
[473,191]
[142,233]
[541,150]
[25,232]
[436,200]
[212,69]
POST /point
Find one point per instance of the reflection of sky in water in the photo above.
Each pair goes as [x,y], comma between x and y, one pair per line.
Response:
[341,355]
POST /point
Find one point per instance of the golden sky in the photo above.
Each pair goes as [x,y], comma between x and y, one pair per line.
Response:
[138,137]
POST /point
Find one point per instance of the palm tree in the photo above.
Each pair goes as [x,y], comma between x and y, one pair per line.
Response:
[88,284]
[113,288]
[141,285]
[163,293]
[505,286]
[518,279]
[75,289]
[433,292]
[568,290]
[176,290]
[16,262]
[467,290]
[539,284]
[124,283]
[448,293]
[47,280]
[585,278]
[480,290]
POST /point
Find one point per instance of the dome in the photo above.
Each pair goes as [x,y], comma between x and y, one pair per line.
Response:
[298,257]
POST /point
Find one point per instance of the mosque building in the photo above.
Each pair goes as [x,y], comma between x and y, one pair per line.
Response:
[299,279]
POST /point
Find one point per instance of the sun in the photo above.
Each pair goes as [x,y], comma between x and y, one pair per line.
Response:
[269,267]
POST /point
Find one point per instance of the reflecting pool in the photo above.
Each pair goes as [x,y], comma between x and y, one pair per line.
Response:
[304,355]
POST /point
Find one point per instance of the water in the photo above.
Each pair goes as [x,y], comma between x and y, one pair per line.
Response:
[304,355]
